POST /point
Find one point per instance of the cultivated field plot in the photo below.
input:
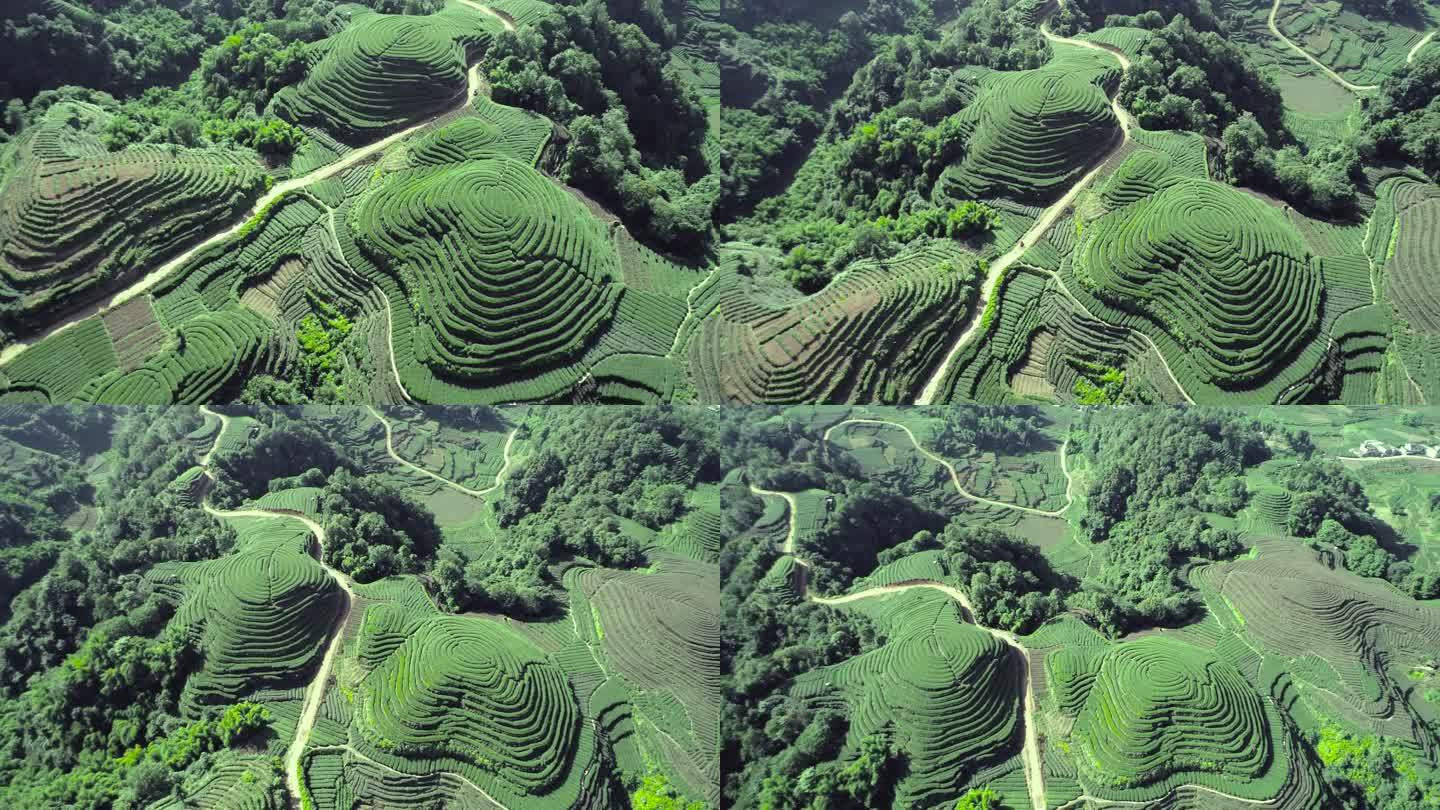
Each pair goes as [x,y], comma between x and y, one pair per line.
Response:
[334,621]
[1362,48]
[1167,286]
[419,248]
[868,337]
[1047,639]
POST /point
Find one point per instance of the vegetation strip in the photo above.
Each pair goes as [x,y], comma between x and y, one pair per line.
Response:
[1034,771]
[1336,77]
[955,476]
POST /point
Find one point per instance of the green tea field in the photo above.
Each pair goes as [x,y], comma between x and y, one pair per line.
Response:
[347,607]
[1177,203]
[410,202]
[1035,607]
[412,222]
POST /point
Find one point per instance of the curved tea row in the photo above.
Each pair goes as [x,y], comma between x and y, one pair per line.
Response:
[1034,134]
[507,272]
[260,615]
[950,690]
[75,219]
[477,692]
[1157,707]
[1218,270]
[384,71]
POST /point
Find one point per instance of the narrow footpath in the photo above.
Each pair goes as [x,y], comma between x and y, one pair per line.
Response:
[1030,755]
[1335,77]
[478,493]
[955,476]
[1425,40]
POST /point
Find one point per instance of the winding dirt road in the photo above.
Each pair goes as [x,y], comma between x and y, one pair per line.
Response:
[315,691]
[1335,77]
[690,310]
[955,476]
[389,315]
[505,20]
[1175,381]
[1034,770]
[1030,755]
[1047,219]
[224,423]
[478,493]
[154,277]
[390,344]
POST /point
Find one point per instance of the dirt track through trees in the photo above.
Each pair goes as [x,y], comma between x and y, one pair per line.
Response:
[478,493]
[1034,772]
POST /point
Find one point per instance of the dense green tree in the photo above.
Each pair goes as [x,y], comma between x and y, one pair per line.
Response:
[1012,429]
[1197,80]
[570,501]
[372,529]
[279,450]
[635,126]
[1322,180]
[1181,459]
[512,580]
[1323,489]
[981,798]
[1157,472]
[97,578]
[1088,15]
[870,519]
[867,781]
[1329,504]
[768,639]
[1009,581]
[1405,118]
[656,793]
[1372,771]
[1142,582]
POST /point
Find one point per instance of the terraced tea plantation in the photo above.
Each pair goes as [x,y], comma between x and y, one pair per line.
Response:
[1201,260]
[341,607]
[491,203]
[1051,608]
[1133,252]
[423,243]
